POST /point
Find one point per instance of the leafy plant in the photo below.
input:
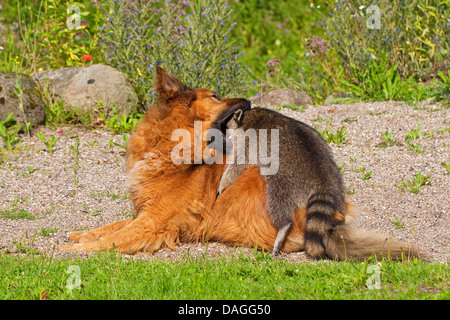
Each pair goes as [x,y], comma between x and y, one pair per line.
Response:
[417,181]
[444,85]
[123,124]
[9,133]
[367,175]
[446,166]
[398,223]
[49,142]
[125,139]
[415,147]
[191,41]
[387,140]
[414,134]
[338,138]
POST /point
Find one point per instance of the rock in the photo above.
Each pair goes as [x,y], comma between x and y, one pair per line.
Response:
[87,88]
[281,97]
[30,97]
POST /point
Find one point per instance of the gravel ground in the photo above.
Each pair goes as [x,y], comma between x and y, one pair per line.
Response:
[43,186]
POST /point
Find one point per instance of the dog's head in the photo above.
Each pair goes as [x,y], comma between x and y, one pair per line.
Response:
[196,104]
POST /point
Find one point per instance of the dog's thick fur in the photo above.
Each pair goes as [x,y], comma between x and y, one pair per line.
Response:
[176,203]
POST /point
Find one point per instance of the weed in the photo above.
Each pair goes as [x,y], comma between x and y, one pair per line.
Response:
[125,139]
[191,42]
[9,134]
[398,223]
[417,181]
[293,107]
[416,147]
[444,86]
[15,213]
[338,138]
[446,166]
[350,119]
[91,213]
[387,140]
[49,142]
[414,134]
[123,124]
[45,232]
[367,175]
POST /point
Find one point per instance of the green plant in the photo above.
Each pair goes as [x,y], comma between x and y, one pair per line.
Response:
[417,181]
[124,145]
[40,38]
[249,276]
[375,83]
[338,138]
[387,140]
[49,142]
[446,166]
[9,134]
[190,41]
[444,86]
[416,147]
[414,134]
[412,35]
[398,223]
[123,124]
[45,232]
[367,175]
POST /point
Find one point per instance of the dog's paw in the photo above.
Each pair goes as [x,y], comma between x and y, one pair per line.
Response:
[83,236]
[71,247]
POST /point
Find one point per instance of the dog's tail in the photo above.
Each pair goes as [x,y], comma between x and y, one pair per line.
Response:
[345,241]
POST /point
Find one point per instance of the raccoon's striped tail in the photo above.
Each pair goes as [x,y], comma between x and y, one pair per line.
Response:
[327,235]
[348,242]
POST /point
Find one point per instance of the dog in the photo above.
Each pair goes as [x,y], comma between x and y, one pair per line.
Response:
[174,196]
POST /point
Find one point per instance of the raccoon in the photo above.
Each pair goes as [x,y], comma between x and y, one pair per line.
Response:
[306,175]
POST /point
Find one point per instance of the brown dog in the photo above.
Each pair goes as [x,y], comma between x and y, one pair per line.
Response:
[176,202]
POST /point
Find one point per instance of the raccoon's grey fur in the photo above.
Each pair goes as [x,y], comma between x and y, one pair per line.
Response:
[307,177]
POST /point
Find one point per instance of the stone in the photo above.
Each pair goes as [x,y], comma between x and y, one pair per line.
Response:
[10,99]
[281,97]
[87,88]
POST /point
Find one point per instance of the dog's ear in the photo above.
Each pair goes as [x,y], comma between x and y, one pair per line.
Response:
[167,86]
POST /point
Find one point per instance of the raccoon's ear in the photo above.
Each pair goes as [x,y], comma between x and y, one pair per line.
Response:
[167,86]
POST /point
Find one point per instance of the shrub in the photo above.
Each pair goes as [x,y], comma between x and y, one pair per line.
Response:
[39,38]
[191,41]
[414,35]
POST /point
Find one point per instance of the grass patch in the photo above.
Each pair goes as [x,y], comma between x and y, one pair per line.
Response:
[15,213]
[417,181]
[110,276]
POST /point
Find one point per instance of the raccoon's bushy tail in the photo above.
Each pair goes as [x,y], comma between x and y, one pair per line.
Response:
[328,235]
[345,241]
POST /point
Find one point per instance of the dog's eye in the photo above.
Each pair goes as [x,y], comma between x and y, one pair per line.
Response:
[215,96]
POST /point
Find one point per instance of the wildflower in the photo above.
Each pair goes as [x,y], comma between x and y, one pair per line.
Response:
[86,57]
[273,63]
[361,7]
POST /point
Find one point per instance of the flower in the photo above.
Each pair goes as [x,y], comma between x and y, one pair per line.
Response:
[86,57]
[272,63]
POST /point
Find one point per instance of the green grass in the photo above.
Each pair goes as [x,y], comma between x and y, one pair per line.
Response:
[417,181]
[110,276]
